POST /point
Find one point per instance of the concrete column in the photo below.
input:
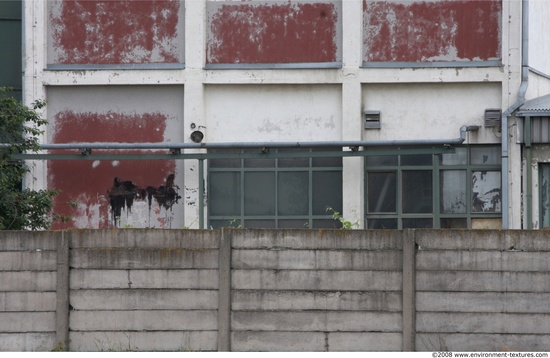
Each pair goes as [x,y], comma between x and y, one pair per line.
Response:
[409,290]
[62,292]
[193,108]
[352,14]
[224,292]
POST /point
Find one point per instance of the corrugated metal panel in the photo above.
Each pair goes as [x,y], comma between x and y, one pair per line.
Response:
[540,130]
[535,107]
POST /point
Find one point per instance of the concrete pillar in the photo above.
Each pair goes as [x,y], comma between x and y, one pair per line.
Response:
[352,12]
[224,292]
[62,293]
[409,290]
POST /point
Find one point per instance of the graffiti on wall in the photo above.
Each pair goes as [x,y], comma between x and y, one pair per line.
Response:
[124,192]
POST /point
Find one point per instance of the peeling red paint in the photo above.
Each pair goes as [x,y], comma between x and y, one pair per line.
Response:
[116,32]
[273,33]
[85,184]
[427,31]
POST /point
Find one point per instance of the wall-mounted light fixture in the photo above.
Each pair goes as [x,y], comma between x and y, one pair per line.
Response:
[492,118]
[196,136]
[371,119]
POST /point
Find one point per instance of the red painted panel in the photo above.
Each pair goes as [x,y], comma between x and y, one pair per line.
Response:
[116,32]
[427,31]
[273,33]
[87,186]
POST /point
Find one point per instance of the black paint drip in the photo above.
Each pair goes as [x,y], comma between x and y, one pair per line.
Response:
[123,194]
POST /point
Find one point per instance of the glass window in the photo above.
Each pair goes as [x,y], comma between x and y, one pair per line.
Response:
[486,155]
[381,192]
[486,191]
[259,193]
[225,190]
[453,191]
[285,192]
[465,185]
[417,191]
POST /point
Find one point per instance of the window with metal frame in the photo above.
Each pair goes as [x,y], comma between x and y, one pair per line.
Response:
[279,192]
[450,190]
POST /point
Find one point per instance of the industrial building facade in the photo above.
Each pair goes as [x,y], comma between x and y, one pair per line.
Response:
[395,114]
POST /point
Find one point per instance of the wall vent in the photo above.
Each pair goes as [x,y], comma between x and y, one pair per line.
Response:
[372,119]
[492,118]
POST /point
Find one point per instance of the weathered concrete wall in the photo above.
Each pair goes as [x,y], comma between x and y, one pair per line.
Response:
[28,265]
[432,31]
[482,290]
[274,290]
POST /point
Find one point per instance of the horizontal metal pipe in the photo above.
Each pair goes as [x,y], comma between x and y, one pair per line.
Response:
[243,145]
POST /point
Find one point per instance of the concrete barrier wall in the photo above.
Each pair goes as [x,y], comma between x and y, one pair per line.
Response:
[482,290]
[28,265]
[274,290]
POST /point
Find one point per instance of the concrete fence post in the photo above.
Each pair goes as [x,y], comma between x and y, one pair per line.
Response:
[409,290]
[62,293]
[224,292]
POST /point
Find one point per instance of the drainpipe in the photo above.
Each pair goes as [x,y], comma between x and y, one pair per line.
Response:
[521,99]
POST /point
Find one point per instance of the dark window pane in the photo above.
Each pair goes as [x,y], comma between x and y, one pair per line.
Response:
[327,192]
[486,155]
[459,157]
[416,159]
[382,223]
[259,224]
[327,162]
[216,224]
[229,162]
[417,191]
[326,224]
[225,193]
[293,162]
[453,191]
[486,192]
[293,224]
[259,193]
[381,160]
[293,193]
[381,192]
[417,223]
[259,163]
[454,223]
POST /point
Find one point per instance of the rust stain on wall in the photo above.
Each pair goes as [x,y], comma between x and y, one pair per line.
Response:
[431,31]
[85,184]
[273,32]
[116,32]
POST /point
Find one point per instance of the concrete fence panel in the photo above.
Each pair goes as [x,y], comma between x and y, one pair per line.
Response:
[274,290]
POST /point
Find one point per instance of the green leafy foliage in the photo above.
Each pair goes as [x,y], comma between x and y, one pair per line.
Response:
[20,128]
[346,224]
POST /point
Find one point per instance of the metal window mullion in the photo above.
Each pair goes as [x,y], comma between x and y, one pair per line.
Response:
[310,193]
[398,196]
[242,171]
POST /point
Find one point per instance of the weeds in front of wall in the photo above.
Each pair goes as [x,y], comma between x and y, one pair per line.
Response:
[236,223]
[346,224]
